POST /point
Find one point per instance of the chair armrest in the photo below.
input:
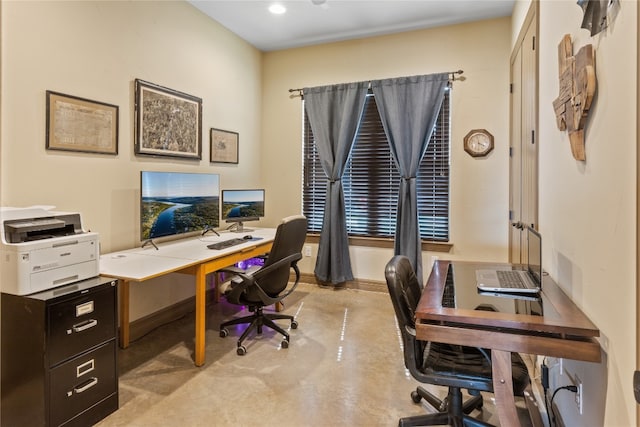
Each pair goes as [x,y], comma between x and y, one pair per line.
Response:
[232,269]
[252,276]
[239,271]
[268,300]
[291,259]
[412,331]
[239,284]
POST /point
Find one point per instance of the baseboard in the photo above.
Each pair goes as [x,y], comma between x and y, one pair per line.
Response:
[141,327]
[558,417]
[533,408]
[363,285]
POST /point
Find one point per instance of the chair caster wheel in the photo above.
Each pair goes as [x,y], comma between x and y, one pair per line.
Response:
[415,397]
[224,332]
[241,351]
[284,344]
[294,324]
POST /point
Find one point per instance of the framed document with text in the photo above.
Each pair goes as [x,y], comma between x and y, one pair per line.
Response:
[81,125]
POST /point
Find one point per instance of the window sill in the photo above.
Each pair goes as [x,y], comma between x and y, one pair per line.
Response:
[374,242]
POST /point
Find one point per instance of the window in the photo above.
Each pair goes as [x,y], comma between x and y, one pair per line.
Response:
[371,181]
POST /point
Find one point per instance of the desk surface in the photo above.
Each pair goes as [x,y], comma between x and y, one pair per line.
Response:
[140,264]
[554,320]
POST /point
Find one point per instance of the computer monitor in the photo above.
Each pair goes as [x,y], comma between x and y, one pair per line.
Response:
[239,206]
[173,203]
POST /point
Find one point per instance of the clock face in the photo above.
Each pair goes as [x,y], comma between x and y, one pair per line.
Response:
[478,142]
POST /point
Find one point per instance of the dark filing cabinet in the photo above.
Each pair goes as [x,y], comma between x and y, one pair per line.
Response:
[59,355]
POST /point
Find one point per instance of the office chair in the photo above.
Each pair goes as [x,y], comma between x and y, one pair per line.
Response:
[452,366]
[260,286]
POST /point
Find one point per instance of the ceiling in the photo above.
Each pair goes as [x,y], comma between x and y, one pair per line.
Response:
[306,23]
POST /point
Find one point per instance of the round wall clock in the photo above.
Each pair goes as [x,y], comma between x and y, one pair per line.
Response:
[478,142]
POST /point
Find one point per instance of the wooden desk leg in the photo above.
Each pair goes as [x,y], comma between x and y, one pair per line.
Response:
[503,388]
[124,313]
[200,315]
[216,284]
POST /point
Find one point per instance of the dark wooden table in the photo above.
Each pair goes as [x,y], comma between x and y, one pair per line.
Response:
[451,310]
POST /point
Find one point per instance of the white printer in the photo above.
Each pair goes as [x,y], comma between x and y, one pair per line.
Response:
[42,249]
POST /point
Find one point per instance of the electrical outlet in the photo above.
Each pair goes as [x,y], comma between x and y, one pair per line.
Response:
[579,394]
[307,250]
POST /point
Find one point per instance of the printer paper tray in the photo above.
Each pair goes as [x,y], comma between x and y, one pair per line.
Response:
[61,276]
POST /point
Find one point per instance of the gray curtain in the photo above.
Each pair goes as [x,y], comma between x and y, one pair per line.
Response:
[334,115]
[408,109]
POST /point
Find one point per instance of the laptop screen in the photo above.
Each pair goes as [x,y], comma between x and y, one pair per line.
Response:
[534,249]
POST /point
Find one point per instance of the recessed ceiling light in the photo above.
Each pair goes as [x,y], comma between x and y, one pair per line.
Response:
[277,9]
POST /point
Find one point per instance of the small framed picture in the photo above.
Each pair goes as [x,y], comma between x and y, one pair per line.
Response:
[224,146]
[81,125]
[168,122]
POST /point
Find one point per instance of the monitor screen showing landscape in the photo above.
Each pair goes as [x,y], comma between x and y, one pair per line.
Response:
[242,205]
[176,203]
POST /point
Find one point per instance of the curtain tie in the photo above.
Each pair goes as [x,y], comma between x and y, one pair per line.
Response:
[409,178]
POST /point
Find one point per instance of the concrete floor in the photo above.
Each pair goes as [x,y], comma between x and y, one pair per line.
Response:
[344,367]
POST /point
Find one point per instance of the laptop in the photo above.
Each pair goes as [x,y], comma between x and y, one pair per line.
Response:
[522,281]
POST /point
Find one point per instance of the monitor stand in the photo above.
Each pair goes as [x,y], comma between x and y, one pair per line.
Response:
[149,242]
[238,227]
[208,229]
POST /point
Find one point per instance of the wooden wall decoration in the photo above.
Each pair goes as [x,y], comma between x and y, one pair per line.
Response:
[577,76]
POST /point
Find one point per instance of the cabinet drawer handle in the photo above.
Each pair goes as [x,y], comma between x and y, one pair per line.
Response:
[85,325]
[86,385]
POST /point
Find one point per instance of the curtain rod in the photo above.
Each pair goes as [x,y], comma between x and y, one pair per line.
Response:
[452,78]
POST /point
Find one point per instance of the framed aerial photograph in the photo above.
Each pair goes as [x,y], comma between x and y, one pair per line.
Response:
[168,122]
[81,125]
[224,146]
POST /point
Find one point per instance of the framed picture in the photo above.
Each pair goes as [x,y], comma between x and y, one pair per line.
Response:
[82,125]
[168,122]
[224,146]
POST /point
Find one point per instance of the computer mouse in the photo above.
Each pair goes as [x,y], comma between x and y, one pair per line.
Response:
[248,237]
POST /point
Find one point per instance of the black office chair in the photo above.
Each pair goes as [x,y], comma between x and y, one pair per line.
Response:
[452,366]
[268,284]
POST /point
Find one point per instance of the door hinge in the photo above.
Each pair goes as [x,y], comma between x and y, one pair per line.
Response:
[510,151]
[510,215]
[533,43]
[533,136]
[510,87]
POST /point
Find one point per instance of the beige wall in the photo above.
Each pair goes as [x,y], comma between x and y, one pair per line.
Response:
[588,209]
[479,187]
[95,50]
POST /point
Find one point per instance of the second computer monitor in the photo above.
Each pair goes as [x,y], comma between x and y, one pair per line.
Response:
[240,206]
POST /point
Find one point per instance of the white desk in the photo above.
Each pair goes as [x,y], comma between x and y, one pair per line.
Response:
[189,256]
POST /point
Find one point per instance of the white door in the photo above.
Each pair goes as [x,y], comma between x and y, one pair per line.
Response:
[523,168]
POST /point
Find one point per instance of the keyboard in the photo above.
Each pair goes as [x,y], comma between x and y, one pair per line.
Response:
[225,244]
[510,279]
